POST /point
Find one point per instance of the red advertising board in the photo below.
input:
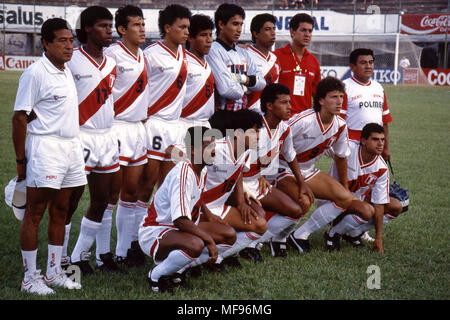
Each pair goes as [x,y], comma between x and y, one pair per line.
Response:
[437,77]
[423,24]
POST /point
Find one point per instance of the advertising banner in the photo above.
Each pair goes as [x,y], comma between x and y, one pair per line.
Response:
[424,24]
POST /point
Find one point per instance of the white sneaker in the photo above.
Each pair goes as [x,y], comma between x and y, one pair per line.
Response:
[366,237]
[62,281]
[35,284]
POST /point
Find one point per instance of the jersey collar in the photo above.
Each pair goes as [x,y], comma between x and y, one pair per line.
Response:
[227,47]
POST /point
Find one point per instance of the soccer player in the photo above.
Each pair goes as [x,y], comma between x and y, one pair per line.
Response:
[315,131]
[300,70]
[263,29]
[365,100]
[171,232]
[50,157]
[235,72]
[167,73]
[130,94]
[198,103]
[369,181]
[274,139]
[94,74]
[224,192]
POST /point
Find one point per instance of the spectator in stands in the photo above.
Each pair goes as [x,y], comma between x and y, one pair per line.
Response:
[285,5]
[404,63]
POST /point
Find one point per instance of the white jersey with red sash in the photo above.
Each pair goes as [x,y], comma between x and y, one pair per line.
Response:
[268,67]
[311,139]
[180,195]
[130,90]
[223,173]
[365,178]
[94,84]
[198,104]
[167,73]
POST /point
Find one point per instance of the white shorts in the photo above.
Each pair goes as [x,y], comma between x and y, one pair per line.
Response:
[54,162]
[252,185]
[285,171]
[186,124]
[101,150]
[160,135]
[132,142]
[220,211]
[149,237]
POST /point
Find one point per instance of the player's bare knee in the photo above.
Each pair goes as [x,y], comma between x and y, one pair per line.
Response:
[194,246]
[260,226]
[367,212]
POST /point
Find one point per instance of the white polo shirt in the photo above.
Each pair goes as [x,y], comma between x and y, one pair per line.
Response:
[52,95]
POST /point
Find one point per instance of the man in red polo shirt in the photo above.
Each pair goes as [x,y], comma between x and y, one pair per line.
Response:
[300,70]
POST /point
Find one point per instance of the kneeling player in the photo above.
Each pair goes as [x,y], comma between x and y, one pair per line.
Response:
[315,131]
[368,181]
[170,233]
[274,139]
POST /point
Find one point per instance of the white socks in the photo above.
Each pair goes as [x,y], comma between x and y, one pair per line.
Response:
[318,219]
[54,260]
[243,239]
[29,262]
[176,260]
[368,226]
[139,213]
[86,238]
[103,236]
[66,239]
[125,223]
[349,222]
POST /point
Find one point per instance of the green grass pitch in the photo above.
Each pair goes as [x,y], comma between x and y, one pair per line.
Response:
[416,260]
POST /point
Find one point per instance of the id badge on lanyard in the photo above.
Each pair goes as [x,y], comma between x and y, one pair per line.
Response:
[299,85]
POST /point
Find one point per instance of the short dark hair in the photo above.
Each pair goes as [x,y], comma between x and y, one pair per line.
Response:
[199,23]
[299,18]
[243,119]
[225,12]
[270,94]
[193,133]
[50,26]
[258,22]
[122,14]
[360,52]
[170,14]
[370,128]
[89,17]
[326,85]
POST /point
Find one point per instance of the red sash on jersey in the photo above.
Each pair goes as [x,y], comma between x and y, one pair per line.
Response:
[97,98]
[132,93]
[218,191]
[172,92]
[270,77]
[364,180]
[200,99]
[319,149]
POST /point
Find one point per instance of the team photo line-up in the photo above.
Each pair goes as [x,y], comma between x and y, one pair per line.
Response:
[207,149]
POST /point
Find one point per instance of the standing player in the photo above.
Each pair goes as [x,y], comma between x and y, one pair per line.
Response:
[300,70]
[235,73]
[368,180]
[274,139]
[170,233]
[365,99]
[225,179]
[45,107]
[167,73]
[94,74]
[198,104]
[365,102]
[313,132]
[263,29]
[130,94]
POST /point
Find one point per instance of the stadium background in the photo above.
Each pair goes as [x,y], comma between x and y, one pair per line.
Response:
[417,30]
[416,259]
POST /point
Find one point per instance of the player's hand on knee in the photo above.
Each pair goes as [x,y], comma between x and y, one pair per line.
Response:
[213,253]
[263,185]
[305,191]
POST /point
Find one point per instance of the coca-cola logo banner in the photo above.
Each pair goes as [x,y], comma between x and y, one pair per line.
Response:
[423,24]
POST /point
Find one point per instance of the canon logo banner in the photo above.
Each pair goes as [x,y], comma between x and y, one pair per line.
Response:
[419,24]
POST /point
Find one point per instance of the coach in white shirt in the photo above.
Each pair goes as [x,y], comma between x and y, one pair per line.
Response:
[50,158]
